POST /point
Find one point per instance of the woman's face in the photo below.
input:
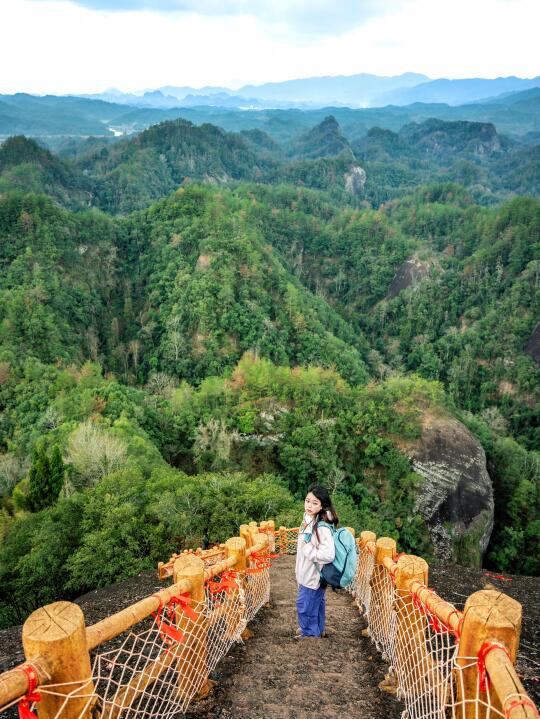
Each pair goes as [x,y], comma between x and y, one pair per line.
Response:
[312,505]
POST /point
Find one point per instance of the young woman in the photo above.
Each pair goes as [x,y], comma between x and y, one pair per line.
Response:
[315,548]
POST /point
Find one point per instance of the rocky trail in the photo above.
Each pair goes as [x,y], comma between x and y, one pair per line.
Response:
[273,676]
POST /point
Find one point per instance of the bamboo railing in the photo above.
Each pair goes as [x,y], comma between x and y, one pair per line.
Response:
[443,662]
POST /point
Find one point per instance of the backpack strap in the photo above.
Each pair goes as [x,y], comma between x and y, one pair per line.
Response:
[330,526]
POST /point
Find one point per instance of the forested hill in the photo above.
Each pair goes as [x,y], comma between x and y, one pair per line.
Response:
[27,166]
[383,165]
[236,339]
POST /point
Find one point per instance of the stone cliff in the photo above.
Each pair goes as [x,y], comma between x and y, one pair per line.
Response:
[456,497]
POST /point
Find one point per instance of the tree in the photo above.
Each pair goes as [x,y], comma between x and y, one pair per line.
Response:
[93,453]
[46,477]
[58,470]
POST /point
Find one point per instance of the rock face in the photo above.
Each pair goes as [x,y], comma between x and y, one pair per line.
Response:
[355,180]
[411,272]
[533,345]
[456,497]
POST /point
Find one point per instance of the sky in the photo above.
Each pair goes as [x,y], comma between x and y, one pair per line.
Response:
[87,46]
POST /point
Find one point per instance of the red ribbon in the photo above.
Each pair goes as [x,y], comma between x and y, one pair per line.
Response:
[183,601]
[262,562]
[417,603]
[484,650]
[31,695]
[168,632]
[498,576]
[437,625]
[226,585]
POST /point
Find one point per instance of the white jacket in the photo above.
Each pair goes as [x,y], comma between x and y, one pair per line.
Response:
[312,554]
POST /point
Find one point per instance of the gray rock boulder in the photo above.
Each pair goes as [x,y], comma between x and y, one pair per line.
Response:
[411,272]
[533,345]
[355,180]
[456,497]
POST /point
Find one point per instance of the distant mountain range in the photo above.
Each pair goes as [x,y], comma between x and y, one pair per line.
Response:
[57,120]
[355,91]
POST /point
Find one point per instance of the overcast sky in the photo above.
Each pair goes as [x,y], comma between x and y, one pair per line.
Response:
[64,46]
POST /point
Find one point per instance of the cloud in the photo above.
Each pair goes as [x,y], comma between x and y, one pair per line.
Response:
[302,17]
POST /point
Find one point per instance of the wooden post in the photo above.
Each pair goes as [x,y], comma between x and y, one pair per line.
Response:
[191,654]
[246,536]
[414,668]
[57,633]
[489,616]
[270,531]
[382,598]
[236,547]
[254,531]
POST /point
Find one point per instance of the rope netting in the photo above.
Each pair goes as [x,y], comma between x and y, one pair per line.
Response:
[425,669]
[361,584]
[286,540]
[158,668]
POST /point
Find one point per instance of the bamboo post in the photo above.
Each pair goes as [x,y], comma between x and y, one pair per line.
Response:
[413,676]
[489,617]
[57,632]
[381,603]
[192,652]
[282,541]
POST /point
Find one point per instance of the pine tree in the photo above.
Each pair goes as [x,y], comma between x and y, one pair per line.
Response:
[46,477]
[58,471]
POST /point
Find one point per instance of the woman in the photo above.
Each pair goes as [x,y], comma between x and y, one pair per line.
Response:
[315,548]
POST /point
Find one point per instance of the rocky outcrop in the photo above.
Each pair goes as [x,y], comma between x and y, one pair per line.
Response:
[411,272]
[355,180]
[533,345]
[456,497]
[439,138]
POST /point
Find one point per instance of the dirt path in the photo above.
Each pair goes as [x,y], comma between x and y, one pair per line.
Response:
[270,673]
[272,676]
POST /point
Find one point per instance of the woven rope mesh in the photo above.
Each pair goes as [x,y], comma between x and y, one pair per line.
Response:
[381,613]
[286,541]
[157,671]
[361,586]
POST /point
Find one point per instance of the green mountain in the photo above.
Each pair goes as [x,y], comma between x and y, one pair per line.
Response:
[50,115]
[131,174]
[27,166]
[58,276]
[259,309]
[323,140]
[514,114]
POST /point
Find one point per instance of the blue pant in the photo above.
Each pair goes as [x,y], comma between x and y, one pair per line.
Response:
[311,605]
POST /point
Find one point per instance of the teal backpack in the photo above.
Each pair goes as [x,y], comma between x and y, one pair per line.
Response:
[340,573]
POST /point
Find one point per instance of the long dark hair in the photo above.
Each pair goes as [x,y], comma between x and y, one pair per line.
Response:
[327,513]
